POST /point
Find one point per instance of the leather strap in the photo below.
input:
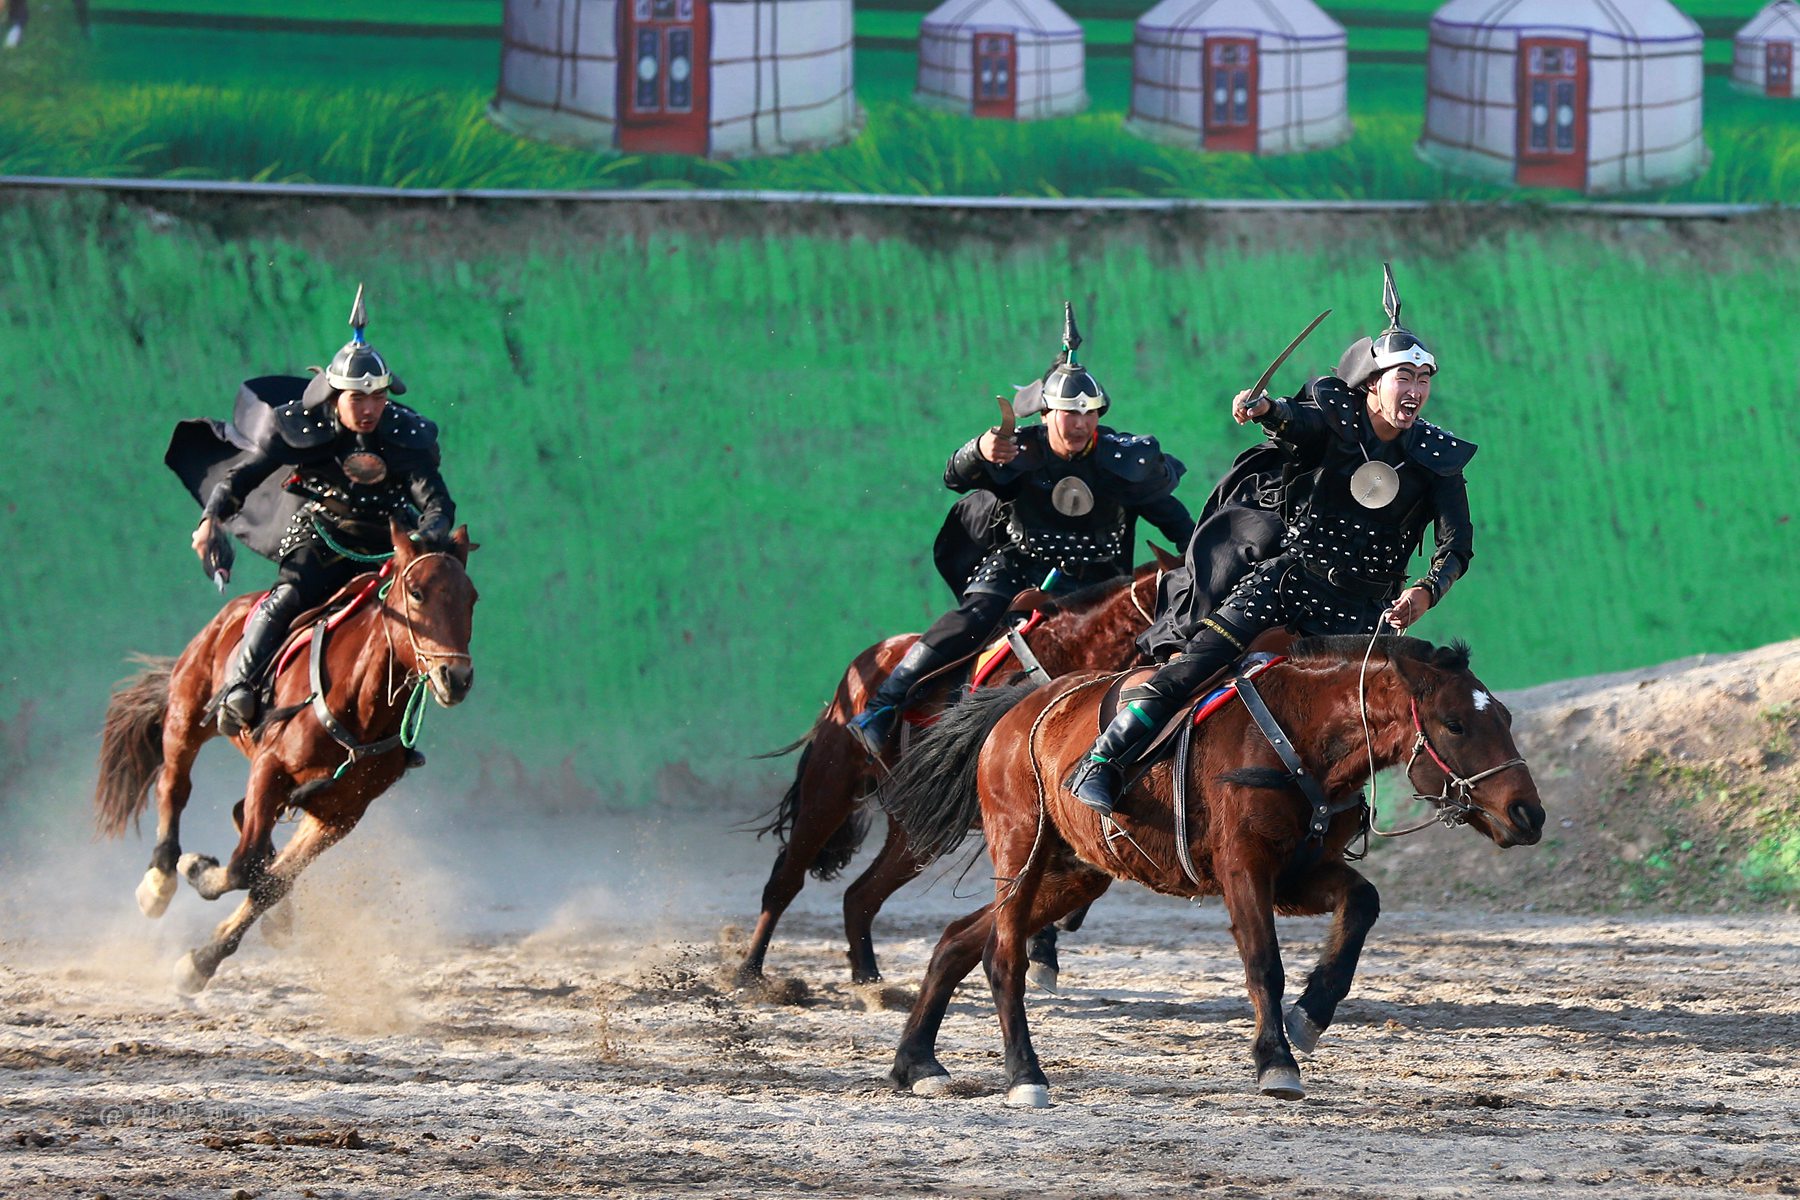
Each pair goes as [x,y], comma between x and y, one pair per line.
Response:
[1322,808]
[339,734]
[1025,657]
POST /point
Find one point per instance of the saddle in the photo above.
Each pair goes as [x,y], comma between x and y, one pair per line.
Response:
[335,611]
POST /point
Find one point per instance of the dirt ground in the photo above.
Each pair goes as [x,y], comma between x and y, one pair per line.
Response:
[530,1008]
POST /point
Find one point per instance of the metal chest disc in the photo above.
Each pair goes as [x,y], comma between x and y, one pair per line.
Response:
[1374,485]
[365,467]
[1071,497]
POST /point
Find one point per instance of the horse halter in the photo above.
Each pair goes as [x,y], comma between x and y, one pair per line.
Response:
[423,660]
[1455,800]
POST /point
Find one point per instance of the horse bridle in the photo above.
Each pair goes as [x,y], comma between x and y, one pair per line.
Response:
[1454,800]
[1149,618]
[422,659]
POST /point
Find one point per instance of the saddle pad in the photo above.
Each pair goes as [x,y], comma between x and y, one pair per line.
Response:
[988,662]
[1253,664]
[356,600]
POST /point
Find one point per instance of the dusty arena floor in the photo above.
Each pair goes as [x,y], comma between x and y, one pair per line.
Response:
[507,1018]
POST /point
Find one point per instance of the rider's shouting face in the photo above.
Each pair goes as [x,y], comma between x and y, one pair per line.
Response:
[1396,397]
[360,412]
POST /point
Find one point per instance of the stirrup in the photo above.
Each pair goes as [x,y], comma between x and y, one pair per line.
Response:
[873,728]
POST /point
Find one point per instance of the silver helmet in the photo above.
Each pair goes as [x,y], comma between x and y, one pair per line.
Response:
[1393,346]
[359,367]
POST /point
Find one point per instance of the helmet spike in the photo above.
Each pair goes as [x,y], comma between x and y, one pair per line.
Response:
[1071,335]
[359,317]
[1390,296]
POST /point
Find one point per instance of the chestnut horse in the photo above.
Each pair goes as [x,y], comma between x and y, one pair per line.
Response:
[413,634]
[1005,754]
[818,821]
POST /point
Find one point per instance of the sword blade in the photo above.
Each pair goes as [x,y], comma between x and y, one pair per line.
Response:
[1275,366]
[1007,420]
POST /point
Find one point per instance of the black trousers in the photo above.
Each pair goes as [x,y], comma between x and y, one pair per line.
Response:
[308,577]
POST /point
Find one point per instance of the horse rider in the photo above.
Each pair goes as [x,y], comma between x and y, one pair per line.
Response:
[1070,489]
[349,457]
[1377,474]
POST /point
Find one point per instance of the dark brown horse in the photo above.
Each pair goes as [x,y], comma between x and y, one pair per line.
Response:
[414,633]
[1005,754]
[820,822]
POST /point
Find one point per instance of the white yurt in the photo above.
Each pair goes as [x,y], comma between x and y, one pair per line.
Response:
[1763,53]
[1254,76]
[1597,96]
[1013,59]
[724,78]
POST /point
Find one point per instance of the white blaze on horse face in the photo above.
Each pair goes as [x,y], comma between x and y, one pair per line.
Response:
[1482,700]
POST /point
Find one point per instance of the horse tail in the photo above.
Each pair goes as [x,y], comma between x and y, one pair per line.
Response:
[932,792]
[131,745]
[844,842]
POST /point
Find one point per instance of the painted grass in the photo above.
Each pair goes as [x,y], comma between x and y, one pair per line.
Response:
[699,491]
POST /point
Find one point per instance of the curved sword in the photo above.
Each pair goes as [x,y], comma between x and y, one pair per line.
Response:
[1257,388]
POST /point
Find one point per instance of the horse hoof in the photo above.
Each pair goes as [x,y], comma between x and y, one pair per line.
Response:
[1042,978]
[1028,1095]
[1303,1034]
[190,865]
[188,979]
[931,1086]
[1281,1083]
[155,891]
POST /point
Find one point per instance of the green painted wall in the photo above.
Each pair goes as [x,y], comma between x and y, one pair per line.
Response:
[703,463]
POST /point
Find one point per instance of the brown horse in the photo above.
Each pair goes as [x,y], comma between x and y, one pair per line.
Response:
[1006,753]
[413,634]
[819,821]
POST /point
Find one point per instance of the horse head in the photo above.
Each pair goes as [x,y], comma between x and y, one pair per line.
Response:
[1463,755]
[430,610]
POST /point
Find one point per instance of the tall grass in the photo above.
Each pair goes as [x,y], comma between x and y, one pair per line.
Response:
[704,472]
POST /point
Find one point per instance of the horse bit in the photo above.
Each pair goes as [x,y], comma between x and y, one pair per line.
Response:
[1454,800]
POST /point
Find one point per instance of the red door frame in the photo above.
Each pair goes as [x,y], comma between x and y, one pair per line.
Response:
[1553,73]
[660,40]
[1229,62]
[994,50]
[1782,54]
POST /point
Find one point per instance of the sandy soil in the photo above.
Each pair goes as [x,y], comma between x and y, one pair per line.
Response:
[478,1006]
[548,1019]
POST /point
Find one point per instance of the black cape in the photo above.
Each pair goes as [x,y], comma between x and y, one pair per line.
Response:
[1240,526]
[202,451]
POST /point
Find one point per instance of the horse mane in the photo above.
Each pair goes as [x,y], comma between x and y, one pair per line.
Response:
[1338,648]
[1093,595]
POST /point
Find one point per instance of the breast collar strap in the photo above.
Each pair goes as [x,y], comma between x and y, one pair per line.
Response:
[1323,810]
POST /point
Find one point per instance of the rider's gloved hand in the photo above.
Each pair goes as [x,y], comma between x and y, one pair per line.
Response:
[434,533]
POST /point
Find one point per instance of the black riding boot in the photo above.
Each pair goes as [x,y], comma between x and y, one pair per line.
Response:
[263,635]
[1097,780]
[873,727]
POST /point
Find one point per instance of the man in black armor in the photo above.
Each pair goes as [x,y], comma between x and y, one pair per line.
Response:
[1373,475]
[1070,491]
[350,459]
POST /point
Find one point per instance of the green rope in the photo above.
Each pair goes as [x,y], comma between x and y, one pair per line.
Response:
[344,551]
[415,713]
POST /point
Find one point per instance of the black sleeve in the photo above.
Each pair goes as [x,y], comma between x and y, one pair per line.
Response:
[437,511]
[250,469]
[1171,518]
[1455,535]
[1300,424]
[967,470]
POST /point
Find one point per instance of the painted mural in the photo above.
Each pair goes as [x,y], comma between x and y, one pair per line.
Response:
[1468,100]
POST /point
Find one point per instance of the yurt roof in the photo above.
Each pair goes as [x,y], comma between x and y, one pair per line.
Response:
[1033,16]
[1781,17]
[1294,18]
[1641,20]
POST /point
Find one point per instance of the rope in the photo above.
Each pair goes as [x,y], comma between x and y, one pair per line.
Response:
[346,552]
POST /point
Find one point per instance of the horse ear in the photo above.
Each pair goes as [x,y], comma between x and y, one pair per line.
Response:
[404,550]
[461,546]
[1164,559]
[1419,676]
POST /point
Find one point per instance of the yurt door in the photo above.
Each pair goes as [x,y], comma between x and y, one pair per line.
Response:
[1553,120]
[663,83]
[996,75]
[1779,80]
[1230,94]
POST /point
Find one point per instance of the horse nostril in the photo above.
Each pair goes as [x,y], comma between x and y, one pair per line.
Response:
[462,678]
[1526,815]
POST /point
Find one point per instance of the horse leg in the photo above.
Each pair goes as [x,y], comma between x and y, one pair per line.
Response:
[1249,899]
[1041,952]
[1356,904]
[182,739]
[311,837]
[267,794]
[892,869]
[916,1067]
[829,782]
[1041,896]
